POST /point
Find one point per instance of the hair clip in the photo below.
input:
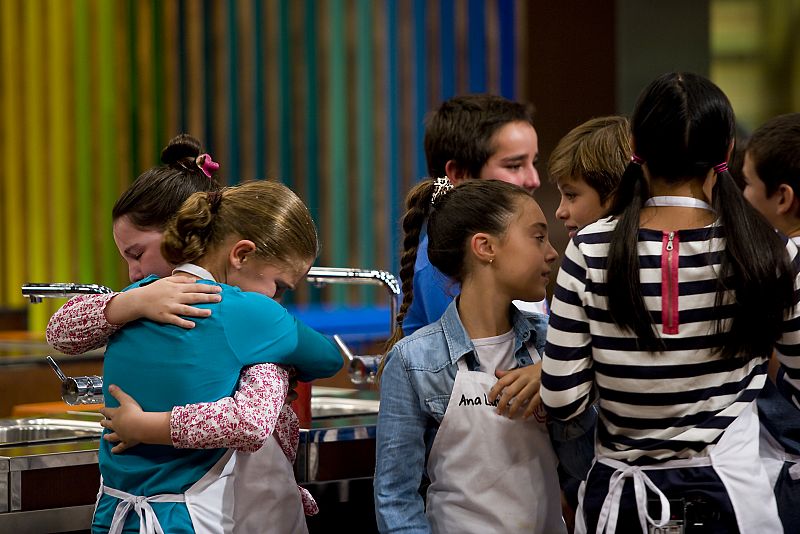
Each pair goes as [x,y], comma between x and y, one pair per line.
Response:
[638,160]
[440,188]
[206,164]
[721,167]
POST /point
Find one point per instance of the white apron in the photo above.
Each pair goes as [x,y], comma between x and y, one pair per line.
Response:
[267,499]
[209,501]
[489,473]
[735,459]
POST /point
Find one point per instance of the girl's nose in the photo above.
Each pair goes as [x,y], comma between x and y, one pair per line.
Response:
[532,180]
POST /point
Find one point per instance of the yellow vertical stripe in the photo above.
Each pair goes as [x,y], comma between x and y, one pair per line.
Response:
[34,154]
[13,257]
[60,164]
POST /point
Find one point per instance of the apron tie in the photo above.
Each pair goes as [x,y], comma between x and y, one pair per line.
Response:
[148,521]
[609,513]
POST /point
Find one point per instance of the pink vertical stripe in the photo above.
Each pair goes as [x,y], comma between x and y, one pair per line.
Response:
[669,284]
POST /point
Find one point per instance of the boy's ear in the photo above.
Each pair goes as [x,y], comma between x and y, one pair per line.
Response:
[455,172]
[239,252]
[787,200]
[482,247]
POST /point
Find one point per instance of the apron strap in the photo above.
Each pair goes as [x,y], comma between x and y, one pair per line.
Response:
[148,522]
[609,513]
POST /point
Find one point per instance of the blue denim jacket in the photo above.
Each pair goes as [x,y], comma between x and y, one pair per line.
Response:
[415,390]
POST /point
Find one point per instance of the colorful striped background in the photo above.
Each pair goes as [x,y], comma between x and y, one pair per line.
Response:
[328,96]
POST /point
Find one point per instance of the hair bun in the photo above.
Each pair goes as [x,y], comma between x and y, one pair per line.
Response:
[179,147]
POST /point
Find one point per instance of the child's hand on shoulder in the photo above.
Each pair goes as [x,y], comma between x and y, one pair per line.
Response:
[167,300]
[518,391]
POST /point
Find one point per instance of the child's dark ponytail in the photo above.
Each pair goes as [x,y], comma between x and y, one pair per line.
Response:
[755,263]
[625,302]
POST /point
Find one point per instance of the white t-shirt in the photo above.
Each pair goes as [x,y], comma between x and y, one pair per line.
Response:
[496,352]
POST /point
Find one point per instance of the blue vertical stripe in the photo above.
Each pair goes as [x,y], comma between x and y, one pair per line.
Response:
[508,49]
[312,122]
[476,32]
[366,141]
[421,85]
[447,39]
[395,195]
[234,175]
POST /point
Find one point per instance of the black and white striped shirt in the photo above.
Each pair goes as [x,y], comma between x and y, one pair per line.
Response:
[653,406]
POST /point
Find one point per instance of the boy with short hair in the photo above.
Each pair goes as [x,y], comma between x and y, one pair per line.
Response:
[772,185]
[471,137]
[587,165]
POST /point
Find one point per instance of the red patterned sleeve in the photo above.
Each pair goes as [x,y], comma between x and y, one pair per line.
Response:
[80,325]
[242,422]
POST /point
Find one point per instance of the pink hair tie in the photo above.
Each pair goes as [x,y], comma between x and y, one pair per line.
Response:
[721,167]
[637,159]
[206,164]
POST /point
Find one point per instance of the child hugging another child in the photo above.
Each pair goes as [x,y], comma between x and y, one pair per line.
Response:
[254,241]
[440,413]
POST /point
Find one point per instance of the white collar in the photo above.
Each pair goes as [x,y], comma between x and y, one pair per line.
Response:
[196,270]
[684,202]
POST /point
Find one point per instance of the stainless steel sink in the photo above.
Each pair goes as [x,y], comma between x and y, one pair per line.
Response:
[34,430]
[322,407]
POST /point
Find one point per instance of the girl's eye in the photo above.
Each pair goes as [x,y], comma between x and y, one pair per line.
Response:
[570,196]
[514,167]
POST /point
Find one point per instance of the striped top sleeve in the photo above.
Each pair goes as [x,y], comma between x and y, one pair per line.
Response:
[653,406]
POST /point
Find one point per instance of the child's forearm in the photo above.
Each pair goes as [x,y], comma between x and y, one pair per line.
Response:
[80,325]
[124,308]
[154,428]
[242,422]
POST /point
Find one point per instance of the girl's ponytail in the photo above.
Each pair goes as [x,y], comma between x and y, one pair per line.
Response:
[755,263]
[625,302]
[418,204]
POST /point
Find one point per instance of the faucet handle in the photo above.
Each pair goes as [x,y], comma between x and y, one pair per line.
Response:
[57,369]
[79,390]
[362,369]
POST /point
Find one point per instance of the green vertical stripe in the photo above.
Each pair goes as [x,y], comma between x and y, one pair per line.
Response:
[366,145]
[337,136]
[133,87]
[85,206]
[107,141]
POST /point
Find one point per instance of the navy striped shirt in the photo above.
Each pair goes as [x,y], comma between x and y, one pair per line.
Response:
[654,406]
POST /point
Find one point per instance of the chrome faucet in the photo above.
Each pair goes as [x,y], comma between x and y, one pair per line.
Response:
[320,276]
[37,292]
[80,389]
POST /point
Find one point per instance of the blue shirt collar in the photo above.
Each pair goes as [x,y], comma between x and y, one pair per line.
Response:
[459,342]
